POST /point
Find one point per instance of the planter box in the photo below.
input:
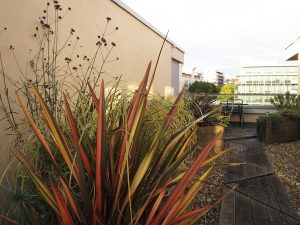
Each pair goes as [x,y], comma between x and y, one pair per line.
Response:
[207,133]
[288,130]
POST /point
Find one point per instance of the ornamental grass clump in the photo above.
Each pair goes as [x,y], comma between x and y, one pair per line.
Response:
[111,174]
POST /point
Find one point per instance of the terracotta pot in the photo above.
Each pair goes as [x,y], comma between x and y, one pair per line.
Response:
[207,133]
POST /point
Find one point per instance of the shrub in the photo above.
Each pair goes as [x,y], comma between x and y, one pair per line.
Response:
[200,105]
[261,124]
[291,113]
[286,101]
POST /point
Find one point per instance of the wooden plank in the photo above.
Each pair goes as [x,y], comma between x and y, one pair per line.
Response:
[248,151]
[237,132]
[251,167]
[278,218]
[242,187]
[253,189]
[243,213]
[263,164]
[259,213]
[248,136]
[255,145]
[282,197]
[257,164]
[227,214]
[236,173]
[267,193]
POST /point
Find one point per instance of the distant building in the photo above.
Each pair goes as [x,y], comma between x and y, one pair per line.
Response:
[267,79]
[231,81]
[291,53]
[209,75]
[186,79]
[214,76]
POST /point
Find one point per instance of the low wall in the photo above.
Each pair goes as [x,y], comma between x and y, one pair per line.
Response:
[252,112]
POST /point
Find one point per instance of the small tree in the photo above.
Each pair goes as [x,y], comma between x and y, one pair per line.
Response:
[227,89]
[203,87]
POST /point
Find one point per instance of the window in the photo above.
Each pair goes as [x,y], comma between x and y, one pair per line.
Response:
[294,87]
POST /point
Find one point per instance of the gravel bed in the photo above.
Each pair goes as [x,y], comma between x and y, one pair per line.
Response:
[285,158]
[210,193]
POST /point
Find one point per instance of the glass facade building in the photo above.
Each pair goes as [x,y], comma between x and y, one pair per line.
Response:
[263,81]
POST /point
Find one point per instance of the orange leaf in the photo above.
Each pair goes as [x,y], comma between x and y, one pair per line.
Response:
[65,215]
[76,138]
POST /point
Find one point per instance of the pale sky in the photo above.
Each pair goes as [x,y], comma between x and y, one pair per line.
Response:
[219,33]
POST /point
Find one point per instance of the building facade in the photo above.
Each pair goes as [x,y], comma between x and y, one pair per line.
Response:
[214,76]
[137,41]
[231,81]
[186,79]
[291,53]
[270,79]
[209,75]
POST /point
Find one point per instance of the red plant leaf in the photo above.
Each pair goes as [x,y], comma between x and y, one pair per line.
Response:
[75,136]
[65,215]
[180,188]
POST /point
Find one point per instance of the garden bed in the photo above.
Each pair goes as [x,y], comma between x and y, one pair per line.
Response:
[285,158]
[277,128]
[211,193]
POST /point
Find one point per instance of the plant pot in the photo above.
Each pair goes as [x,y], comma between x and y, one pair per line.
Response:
[207,133]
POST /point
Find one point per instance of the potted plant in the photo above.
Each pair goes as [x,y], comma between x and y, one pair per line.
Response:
[213,124]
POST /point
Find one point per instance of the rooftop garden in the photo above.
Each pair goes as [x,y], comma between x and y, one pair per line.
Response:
[87,154]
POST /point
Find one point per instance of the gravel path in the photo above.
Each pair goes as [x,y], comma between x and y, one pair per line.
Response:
[285,158]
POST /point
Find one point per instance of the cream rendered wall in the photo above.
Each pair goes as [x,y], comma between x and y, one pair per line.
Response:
[137,44]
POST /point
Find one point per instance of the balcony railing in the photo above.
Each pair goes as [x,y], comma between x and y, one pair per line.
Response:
[251,99]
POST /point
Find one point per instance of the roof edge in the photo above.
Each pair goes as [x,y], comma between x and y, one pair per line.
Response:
[145,22]
[297,39]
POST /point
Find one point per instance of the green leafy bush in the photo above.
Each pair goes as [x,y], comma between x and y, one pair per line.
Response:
[291,113]
[286,101]
[261,124]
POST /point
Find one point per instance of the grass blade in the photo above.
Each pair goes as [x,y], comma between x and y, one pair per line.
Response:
[100,148]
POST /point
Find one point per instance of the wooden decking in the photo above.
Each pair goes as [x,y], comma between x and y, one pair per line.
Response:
[254,195]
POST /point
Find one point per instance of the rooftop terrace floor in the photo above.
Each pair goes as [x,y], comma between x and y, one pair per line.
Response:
[254,194]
